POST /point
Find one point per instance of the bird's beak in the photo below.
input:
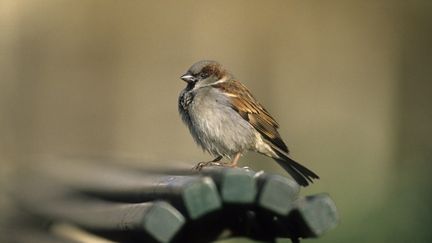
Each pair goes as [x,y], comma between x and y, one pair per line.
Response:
[188,78]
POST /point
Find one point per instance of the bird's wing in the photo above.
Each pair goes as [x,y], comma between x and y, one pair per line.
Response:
[252,111]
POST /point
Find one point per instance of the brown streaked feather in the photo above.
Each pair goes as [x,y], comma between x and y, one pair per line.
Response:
[252,111]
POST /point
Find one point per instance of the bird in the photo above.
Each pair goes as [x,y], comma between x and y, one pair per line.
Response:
[226,120]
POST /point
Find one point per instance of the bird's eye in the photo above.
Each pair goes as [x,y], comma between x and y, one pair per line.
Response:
[204,75]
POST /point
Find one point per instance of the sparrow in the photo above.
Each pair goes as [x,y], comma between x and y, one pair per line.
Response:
[226,120]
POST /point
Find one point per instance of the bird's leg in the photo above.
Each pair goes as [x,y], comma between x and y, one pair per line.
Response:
[214,162]
[233,162]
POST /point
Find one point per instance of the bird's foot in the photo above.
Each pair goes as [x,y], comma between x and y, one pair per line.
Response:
[230,164]
[201,165]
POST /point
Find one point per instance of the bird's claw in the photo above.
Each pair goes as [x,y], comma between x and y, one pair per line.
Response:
[201,165]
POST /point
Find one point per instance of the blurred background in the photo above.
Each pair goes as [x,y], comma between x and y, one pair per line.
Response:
[349,82]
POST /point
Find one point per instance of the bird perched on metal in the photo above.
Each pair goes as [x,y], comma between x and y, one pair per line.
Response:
[226,120]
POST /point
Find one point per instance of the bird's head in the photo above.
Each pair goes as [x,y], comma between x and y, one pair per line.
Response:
[205,73]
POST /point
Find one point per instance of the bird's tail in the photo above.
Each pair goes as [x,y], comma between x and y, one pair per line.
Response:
[302,175]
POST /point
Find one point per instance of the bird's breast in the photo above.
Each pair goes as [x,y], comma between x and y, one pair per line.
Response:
[217,127]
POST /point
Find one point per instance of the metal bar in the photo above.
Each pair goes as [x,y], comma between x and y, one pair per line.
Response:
[312,216]
[236,185]
[194,196]
[153,221]
[276,193]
